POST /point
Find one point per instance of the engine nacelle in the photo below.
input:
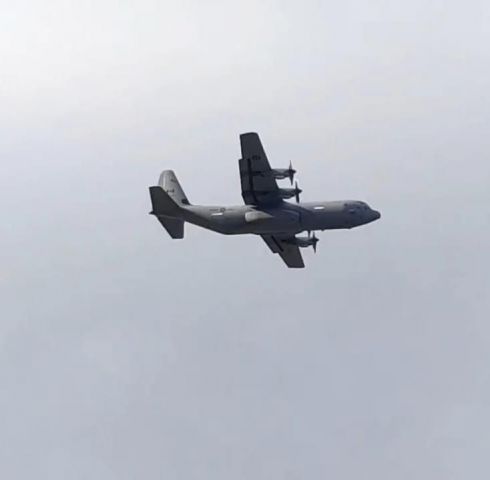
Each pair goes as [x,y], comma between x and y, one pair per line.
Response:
[287,192]
[290,192]
[304,242]
[283,173]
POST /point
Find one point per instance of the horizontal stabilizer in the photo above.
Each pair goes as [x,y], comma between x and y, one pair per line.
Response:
[162,203]
[167,212]
[174,226]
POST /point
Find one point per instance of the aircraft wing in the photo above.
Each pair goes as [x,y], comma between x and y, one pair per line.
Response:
[259,186]
[290,253]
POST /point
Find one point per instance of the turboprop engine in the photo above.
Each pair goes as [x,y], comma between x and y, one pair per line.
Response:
[291,192]
[282,173]
[304,242]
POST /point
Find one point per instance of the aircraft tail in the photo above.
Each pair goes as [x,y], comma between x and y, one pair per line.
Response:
[167,211]
[168,181]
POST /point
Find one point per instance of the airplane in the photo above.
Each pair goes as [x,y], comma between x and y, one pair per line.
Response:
[266,212]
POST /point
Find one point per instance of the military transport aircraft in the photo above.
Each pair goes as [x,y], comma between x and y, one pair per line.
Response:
[265,213]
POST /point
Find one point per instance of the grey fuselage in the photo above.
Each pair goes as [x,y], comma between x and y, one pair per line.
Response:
[285,218]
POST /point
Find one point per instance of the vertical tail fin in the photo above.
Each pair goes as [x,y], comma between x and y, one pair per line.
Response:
[168,181]
[168,200]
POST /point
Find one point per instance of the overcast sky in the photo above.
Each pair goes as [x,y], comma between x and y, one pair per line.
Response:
[126,355]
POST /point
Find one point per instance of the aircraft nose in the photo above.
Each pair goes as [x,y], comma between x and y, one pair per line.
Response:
[376,215]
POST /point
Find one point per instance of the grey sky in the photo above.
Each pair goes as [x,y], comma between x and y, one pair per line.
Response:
[125,355]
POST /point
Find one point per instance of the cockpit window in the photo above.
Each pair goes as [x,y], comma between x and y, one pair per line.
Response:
[356,207]
[362,206]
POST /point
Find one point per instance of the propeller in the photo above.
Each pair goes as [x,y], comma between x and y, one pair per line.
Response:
[291,172]
[297,191]
[314,241]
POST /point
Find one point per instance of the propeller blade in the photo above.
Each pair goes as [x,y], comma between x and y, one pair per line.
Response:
[297,191]
[315,241]
[291,172]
